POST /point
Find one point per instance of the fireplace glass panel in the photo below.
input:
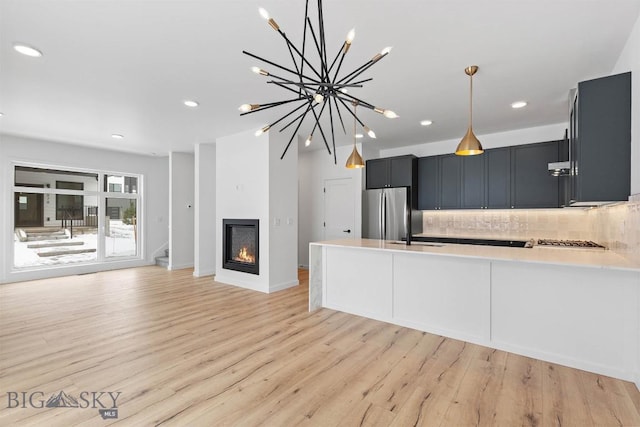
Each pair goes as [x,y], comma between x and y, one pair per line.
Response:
[243,244]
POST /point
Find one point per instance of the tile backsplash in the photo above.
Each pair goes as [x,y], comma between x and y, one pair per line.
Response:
[614,226]
[618,228]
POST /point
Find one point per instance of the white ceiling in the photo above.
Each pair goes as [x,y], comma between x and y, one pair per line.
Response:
[125,66]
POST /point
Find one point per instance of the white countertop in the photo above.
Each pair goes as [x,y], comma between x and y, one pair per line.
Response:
[596,258]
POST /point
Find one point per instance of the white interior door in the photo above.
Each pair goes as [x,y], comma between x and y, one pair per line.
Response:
[339,209]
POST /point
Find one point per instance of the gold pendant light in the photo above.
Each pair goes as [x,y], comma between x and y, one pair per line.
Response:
[355,159]
[470,146]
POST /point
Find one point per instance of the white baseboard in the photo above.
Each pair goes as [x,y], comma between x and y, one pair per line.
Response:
[283,286]
[179,266]
[204,272]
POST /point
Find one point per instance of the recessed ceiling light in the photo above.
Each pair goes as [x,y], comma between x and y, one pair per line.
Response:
[117,136]
[1,114]
[191,103]
[27,50]
[359,135]
[519,104]
[426,123]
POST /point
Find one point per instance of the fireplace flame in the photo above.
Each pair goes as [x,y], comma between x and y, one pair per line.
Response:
[245,256]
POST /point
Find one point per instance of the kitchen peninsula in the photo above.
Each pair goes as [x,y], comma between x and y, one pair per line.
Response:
[575,307]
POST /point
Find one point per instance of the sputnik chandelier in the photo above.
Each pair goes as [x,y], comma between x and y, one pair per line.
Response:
[316,88]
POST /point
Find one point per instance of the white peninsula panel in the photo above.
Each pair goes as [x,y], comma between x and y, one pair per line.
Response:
[358,282]
[582,317]
[442,295]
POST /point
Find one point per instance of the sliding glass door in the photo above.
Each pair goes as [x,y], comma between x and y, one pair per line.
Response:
[66,217]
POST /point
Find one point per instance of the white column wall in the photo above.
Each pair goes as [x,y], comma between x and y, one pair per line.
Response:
[205,210]
[181,217]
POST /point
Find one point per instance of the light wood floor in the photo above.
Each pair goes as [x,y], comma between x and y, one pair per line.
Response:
[191,352]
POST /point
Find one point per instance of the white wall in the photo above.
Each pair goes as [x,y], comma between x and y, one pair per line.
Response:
[314,168]
[629,60]
[283,212]
[242,192]
[181,217]
[205,210]
[253,183]
[154,213]
[493,140]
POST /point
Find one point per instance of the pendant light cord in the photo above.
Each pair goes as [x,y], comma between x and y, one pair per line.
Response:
[470,101]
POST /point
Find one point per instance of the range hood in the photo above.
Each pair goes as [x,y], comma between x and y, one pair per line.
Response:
[559,168]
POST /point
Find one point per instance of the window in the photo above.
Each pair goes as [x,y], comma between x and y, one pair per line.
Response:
[64,217]
[69,206]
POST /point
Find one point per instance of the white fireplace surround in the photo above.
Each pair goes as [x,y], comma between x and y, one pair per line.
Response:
[252,182]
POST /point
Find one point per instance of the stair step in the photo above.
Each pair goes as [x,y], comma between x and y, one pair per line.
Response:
[65,252]
[46,237]
[41,232]
[46,244]
[162,261]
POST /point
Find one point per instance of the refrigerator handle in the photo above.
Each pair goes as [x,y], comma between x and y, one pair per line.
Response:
[384,215]
[380,219]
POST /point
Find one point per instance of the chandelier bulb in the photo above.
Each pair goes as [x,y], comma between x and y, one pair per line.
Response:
[263,130]
[318,98]
[260,71]
[265,15]
[369,132]
[347,43]
[308,141]
[387,113]
[245,108]
[386,50]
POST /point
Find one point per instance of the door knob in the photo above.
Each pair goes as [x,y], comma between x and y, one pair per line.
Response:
[346,231]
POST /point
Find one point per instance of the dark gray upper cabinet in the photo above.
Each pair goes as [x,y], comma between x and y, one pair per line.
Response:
[429,183]
[498,178]
[398,171]
[501,178]
[531,184]
[450,181]
[601,140]
[377,173]
[473,182]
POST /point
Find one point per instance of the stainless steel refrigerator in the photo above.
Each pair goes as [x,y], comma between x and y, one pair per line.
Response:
[387,215]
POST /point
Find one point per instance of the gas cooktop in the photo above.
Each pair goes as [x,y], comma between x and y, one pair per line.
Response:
[569,243]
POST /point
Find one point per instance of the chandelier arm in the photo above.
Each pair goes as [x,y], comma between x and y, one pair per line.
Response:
[339,115]
[302,96]
[319,126]
[293,59]
[295,132]
[304,42]
[341,51]
[351,112]
[333,135]
[356,73]
[298,116]
[299,54]
[287,115]
[270,105]
[335,75]
[352,98]
[362,67]
[323,39]
[278,66]
[359,82]
[323,63]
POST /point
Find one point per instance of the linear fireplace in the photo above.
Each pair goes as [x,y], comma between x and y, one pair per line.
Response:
[240,245]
